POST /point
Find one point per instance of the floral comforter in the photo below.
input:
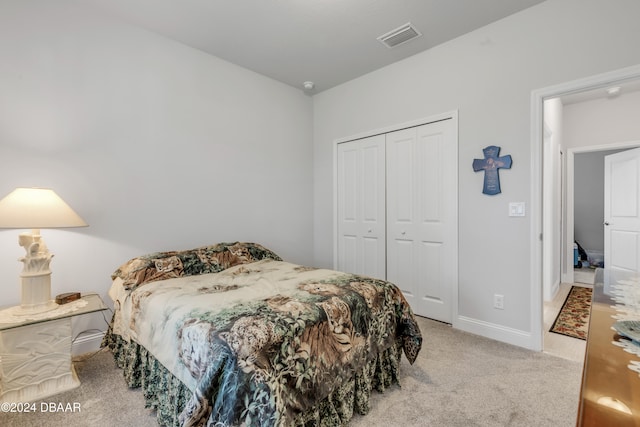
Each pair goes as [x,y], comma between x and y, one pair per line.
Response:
[260,342]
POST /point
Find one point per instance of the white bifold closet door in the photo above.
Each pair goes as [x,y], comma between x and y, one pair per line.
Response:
[420,257]
[397,212]
[361,207]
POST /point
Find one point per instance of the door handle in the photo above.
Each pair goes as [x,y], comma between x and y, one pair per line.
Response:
[605,223]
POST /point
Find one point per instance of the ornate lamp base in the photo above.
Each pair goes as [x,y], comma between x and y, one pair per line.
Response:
[36,275]
[36,294]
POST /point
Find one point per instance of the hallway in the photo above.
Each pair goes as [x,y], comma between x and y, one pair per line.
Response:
[557,344]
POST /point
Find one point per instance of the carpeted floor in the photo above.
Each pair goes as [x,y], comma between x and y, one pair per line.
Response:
[573,318]
[459,380]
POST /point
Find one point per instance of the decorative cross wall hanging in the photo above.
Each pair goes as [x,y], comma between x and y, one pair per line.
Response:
[490,165]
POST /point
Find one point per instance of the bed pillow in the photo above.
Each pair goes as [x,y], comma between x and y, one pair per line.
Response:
[207,259]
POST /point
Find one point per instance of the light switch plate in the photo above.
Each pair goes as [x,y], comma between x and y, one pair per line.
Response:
[516,209]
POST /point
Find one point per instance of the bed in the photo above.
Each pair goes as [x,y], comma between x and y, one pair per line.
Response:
[230,334]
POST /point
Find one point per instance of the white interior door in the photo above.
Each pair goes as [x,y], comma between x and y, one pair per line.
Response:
[361,207]
[422,216]
[622,210]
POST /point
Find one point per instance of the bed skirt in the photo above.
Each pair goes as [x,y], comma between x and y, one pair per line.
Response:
[168,396]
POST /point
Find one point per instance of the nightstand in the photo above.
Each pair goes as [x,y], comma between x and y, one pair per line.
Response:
[35,350]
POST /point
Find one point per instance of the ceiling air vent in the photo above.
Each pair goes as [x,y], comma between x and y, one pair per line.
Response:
[400,35]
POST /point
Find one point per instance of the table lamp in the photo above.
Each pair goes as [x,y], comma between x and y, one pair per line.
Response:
[36,208]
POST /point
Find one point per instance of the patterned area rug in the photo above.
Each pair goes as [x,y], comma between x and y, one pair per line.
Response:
[573,319]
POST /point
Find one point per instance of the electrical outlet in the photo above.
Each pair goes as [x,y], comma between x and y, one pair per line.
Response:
[498,301]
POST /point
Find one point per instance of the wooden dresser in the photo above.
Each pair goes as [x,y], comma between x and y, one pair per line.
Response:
[610,394]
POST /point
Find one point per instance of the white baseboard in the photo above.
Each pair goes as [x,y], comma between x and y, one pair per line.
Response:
[496,332]
[87,343]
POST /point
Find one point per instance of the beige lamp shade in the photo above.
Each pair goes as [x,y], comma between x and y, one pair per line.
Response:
[37,208]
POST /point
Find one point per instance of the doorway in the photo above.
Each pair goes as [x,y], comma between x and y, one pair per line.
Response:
[538,199]
[583,198]
[584,222]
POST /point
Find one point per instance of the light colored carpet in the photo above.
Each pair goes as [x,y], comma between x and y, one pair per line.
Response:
[459,379]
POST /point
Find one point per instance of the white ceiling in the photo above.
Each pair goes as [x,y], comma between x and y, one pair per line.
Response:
[325,41]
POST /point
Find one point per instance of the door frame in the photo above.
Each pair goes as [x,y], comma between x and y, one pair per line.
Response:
[538,97]
[568,231]
[453,115]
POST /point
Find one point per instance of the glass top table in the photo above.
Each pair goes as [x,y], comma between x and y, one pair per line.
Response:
[89,303]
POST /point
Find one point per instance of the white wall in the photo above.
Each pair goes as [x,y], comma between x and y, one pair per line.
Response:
[602,121]
[156,145]
[488,75]
[552,188]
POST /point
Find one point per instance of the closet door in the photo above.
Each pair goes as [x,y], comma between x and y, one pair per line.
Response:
[421,223]
[361,207]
